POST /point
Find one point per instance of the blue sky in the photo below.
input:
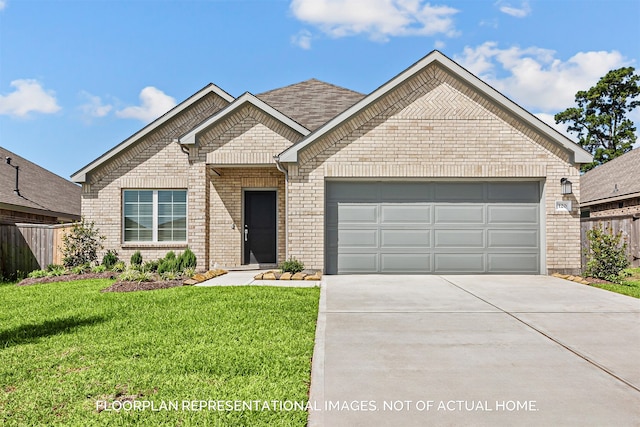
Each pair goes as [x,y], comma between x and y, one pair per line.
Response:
[78,77]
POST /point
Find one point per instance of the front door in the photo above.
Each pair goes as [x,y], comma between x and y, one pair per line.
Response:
[260,215]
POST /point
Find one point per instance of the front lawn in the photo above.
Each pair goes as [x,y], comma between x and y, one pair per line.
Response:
[71,355]
[630,286]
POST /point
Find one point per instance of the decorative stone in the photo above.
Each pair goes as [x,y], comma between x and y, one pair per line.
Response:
[286,276]
[315,276]
[219,272]
[278,274]
[269,275]
[190,282]
[258,276]
[199,278]
[209,275]
[299,276]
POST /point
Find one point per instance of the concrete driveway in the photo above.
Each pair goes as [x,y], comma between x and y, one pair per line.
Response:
[474,350]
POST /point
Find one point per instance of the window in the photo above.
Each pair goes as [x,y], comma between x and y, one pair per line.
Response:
[155,215]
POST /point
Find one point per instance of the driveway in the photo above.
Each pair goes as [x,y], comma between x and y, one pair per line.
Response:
[474,350]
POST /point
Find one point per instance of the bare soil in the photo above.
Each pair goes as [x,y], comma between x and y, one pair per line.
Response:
[67,278]
[142,286]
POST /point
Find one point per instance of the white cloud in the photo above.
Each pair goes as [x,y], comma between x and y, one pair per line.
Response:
[94,106]
[302,39]
[3,4]
[534,78]
[28,97]
[439,44]
[519,12]
[154,103]
[380,19]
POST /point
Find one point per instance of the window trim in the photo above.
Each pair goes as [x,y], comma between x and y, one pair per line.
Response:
[154,221]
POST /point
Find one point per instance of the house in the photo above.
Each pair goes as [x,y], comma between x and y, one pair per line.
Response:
[612,189]
[32,194]
[433,172]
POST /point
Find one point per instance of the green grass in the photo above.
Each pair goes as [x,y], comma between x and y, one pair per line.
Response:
[65,346]
[630,287]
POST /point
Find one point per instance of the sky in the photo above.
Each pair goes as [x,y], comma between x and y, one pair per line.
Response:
[77,77]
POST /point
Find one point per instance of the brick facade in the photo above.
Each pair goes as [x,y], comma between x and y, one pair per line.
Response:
[623,207]
[433,126]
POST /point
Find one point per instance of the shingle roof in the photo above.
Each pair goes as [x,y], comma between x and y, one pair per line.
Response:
[312,102]
[614,179]
[39,188]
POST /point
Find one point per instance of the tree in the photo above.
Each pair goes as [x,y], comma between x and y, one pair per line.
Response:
[81,245]
[600,120]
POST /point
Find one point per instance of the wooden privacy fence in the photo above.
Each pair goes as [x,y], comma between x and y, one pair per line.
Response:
[28,247]
[628,225]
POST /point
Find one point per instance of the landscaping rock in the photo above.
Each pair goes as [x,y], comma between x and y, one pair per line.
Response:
[209,275]
[199,277]
[286,276]
[190,282]
[269,275]
[299,276]
[258,276]
[219,272]
[315,276]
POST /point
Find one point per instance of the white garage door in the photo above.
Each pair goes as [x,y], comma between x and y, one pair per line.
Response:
[432,227]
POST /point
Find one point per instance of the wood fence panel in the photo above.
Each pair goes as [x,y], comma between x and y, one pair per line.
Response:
[28,247]
[629,226]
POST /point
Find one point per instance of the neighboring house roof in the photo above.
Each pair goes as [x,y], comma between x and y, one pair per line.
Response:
[190,137]
[312,102]
[41,192]
[579,155]
[615,180]
[80,176]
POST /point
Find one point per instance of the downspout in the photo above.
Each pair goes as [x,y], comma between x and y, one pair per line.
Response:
[286,204]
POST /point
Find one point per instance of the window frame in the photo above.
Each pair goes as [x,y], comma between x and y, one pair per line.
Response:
[155,217]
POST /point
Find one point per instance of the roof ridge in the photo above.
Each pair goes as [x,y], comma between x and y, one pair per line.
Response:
[312,79]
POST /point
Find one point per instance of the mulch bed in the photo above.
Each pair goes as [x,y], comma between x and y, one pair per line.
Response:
[116,287]
[142,286]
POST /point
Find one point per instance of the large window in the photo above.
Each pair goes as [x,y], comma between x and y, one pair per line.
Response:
[155,215]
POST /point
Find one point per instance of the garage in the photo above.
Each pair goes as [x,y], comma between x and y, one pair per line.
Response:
[433,227]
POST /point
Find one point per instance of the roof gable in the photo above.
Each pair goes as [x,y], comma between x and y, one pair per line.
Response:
[616,179]
[312,102]
[579,155]
[191,137]
[40,189]
[81,175]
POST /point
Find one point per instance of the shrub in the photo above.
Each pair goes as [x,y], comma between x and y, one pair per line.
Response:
[170,255]
[606,256]
[151,266]
[136,259]
[56,270]
[119,266]
[36,274]
[98,269]
[169,275]
[80,269]
[110,259]
[133,275]
[168,265]
[292,266]
[189,272]
[81,244]
[187,259]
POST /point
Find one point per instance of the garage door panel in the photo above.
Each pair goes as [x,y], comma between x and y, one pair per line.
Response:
[513,192]
[459,192]
[513,263]
[352,191]
[459,238]
[459,214]
[358,262]
[459,262]
[405,263]
[358,239]
[360,214]
[408,213]
[498,214]
[405,239]
[405,192]
[509,238]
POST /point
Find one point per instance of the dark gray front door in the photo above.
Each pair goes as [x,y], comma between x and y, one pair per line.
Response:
[260,213]
[433,227]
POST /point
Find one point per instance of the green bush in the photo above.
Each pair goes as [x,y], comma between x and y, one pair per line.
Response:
[187,259]
[119,266]
[133,275]
[80,269]
[56,270]
[292,266]
[36,274]
[81,244]
[98,269]
[170,255]
[168,265]
[110,259]
[606,256]
[136,259]
[151,266]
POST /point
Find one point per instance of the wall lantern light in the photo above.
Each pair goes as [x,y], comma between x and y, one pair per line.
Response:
[566,186]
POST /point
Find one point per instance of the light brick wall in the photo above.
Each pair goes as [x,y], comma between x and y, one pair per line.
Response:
[154,162]
[432,126]
[629,207]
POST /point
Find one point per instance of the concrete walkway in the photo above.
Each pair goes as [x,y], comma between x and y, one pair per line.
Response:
[474,350]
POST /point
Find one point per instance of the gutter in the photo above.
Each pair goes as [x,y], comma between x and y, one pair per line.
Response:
[282,169]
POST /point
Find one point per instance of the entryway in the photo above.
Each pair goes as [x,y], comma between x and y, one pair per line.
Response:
[260,227]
